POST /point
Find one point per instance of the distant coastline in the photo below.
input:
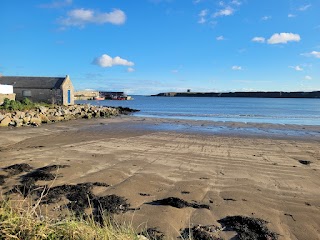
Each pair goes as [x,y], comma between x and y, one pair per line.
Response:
[274,94]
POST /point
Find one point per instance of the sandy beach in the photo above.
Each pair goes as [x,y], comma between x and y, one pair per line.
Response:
[272,173]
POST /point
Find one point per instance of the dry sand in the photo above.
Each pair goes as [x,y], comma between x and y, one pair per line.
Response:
[235,174]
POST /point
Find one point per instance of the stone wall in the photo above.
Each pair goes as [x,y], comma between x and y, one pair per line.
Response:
[40,95]
[42,115]
[65,87]
[11,96]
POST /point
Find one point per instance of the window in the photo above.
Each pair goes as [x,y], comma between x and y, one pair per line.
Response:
[26,93]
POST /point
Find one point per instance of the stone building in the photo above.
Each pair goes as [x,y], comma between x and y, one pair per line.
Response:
[56,90]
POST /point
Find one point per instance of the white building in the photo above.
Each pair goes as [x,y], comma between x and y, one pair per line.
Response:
[6,89]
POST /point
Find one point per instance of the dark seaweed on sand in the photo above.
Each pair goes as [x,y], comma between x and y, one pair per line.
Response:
[200,232]
[305,162]
[79,195]
[152,234]
[40,174]
[106,206]
[80,198]
[28,181]
[37,175]
[111,204]
[2,179]
[16,169]
[248,228]
[178,203]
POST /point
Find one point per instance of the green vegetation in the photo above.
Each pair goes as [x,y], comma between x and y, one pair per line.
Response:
[17,222]
[26,104]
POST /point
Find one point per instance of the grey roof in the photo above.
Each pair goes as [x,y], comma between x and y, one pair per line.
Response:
[33,82]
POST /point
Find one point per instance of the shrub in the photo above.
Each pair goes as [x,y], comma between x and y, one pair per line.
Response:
[25,104]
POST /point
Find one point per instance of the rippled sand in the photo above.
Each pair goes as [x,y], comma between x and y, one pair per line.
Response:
[235,174]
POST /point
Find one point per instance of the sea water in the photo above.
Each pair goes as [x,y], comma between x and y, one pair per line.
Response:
[245,110]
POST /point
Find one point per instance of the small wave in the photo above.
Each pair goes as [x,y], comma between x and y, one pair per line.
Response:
[170,114]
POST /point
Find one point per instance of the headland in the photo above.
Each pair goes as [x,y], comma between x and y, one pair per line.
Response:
[260,94]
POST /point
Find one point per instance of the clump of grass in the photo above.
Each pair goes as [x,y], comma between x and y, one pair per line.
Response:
[19,222]
[25,104]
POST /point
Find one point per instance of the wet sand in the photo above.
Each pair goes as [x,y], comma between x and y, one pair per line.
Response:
[233,168]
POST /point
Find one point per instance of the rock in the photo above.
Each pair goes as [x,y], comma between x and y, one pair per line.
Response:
[5,122]
[12,124]
[51,111]
[18,122]
[26,119]
[58,113]
[35,121]
[55,118]
[43,109]
[44,118]
[20,115]
[88,116]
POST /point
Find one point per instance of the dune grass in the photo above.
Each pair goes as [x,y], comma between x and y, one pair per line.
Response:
[19,222]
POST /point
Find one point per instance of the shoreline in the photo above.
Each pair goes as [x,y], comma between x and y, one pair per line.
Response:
[220,128]
[144,161]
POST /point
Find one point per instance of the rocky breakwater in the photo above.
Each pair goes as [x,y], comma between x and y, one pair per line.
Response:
[41,114]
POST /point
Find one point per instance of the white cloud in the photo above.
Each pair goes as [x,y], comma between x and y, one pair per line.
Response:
[57,4]
[203,13]
[107,61]
[258,39]
[315,54]
[175,71]
[224,12]
[304,8]
[236,2]
[196,1]
[312,54]
[265,18]
[291,15]
[236,68]
[130,69]
[308,77]
[202,16]
[81,17]
[284,38]
[297,68]
[202,20]
[220,38]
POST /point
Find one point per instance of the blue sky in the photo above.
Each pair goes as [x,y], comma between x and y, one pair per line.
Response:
[151,46]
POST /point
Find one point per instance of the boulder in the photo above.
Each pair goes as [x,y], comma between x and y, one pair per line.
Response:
[43,109]
[44,118]
[58,113]
[55,118]
[26,119]
[87,116]
[5,122]
[20,115]
[35,121]
[18,122]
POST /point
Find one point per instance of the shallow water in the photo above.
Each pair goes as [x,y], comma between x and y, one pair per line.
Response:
[245,110]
